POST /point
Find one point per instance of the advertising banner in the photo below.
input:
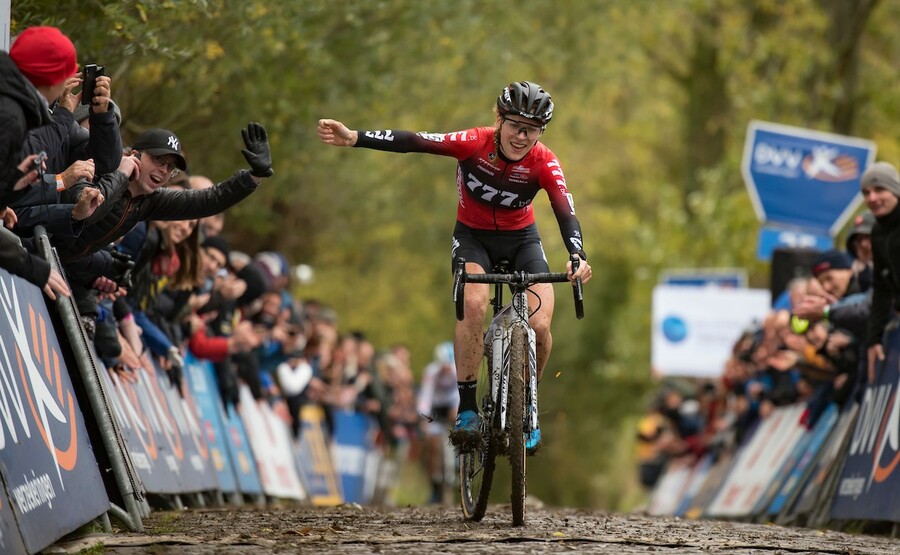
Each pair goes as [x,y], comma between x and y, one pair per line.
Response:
[161,430]
[10,537]
[315,461]
[669,492]
[870,481]
[824,465]
[205,393]
[802,462]
[758,462]
[695,328]
[804,179]
[352,444]
[271,445]
[241,455]
[52,480]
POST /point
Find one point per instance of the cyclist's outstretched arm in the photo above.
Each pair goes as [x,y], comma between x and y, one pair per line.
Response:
[333,132]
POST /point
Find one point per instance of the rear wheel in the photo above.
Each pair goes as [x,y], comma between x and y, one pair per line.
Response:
[476,469]
[518,368]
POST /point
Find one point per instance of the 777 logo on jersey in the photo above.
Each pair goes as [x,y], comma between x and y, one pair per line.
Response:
[490,194]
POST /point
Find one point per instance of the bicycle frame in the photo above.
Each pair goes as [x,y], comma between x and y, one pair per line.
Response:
[509,411]
[499,333]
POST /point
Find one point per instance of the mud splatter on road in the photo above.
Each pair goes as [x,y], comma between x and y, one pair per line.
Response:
[412,530]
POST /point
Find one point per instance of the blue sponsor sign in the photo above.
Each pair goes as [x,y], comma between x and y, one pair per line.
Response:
[803,178]
[870,478]
[239,449]
[199,378]
[10,538]
[809,448]
[717,277]
[773,237]
[352,444]
[314,459]
[53,484]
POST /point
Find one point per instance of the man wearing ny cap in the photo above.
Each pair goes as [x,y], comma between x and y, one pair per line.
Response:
[138,193]
[880,186]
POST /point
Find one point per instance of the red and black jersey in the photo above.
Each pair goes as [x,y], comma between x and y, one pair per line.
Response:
[494,193]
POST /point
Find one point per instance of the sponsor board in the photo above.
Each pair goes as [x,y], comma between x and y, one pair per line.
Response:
[161,430]
[804,179]
[870,479]
[694,328]
[758,463]
[350,451]
[802,463]
[208,404]
[271,444]
[241,455]
[52,480]
[315,461]
[824,466]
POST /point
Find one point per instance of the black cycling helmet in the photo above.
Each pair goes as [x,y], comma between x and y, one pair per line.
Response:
[526,99]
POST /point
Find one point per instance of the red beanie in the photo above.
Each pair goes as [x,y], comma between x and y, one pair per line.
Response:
[44,55]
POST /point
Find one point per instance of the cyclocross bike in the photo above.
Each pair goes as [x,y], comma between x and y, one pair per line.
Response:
[509,410]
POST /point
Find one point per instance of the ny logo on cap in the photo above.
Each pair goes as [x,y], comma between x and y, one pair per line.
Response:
[173,142]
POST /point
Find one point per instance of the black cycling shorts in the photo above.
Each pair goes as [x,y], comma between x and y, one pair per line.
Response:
[522,247]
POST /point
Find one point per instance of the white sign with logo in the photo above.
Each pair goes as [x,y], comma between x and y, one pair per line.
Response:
[695,328]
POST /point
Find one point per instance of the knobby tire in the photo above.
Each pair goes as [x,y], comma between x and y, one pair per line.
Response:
[518,369]
[476,469]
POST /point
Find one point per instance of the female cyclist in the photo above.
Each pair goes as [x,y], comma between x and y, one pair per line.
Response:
[500,170]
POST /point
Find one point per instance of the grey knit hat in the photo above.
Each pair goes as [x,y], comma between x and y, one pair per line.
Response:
[881,174]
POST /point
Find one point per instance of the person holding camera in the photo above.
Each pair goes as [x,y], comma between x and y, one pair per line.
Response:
[32,75]
[66,142]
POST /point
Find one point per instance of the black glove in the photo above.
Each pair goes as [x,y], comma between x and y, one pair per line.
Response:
[176,368]
[257,151]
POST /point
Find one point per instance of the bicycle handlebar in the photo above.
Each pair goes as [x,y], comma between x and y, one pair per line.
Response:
[516,278]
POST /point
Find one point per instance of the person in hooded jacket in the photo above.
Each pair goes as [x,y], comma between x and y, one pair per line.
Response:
[32,75]
[880,185]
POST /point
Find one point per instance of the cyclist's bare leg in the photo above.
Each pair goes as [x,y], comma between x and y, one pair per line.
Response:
[540,322]
[469,337]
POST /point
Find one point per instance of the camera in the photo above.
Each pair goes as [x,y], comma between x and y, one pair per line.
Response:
[38,164]
[89,83]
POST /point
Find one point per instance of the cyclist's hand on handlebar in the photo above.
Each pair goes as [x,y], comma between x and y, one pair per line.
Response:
[333,132]
[584,271]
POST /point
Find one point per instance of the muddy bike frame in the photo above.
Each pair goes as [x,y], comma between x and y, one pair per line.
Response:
[509,405]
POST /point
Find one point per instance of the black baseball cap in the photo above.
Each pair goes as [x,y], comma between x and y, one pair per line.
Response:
[159,142]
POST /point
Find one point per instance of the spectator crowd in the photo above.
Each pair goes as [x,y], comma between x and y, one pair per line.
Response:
[145,259]
[819,344]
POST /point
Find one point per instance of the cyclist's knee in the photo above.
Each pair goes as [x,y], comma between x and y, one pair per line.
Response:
[541,326]
[476,308]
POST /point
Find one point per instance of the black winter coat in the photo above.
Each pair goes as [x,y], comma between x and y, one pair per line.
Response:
[21,108]
[886,277]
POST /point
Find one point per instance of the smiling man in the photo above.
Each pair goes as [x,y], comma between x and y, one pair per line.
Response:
[880,187]
[137,192]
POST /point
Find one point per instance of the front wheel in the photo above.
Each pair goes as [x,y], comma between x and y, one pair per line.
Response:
[476,469]
[518,370]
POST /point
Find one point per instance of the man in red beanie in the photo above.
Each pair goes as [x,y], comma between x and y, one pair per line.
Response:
[32,76]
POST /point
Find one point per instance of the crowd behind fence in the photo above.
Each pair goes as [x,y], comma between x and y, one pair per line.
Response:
[799,428]
[146,363]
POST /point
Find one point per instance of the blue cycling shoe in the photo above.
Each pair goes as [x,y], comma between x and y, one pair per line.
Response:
[533,441]
[466,432]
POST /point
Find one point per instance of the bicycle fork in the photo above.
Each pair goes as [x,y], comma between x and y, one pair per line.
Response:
[500,364]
